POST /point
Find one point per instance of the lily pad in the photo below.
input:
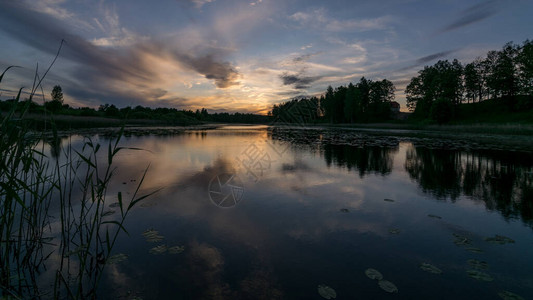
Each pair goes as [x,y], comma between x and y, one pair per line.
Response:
[79,249]
[430,268]
[176,249]
[388,200]
[461,240]
[108,213]
[477,264]
[117,258]
[474,250]
[499,239]
[388,286]
[434,216]
[394,230]
[373,274]
[159,249]
[326,292]
[506,295]
[479,275]
[152,236]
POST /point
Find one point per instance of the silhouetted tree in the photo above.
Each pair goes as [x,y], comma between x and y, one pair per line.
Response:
[57,94]
[503,79]
[525,65]
[473,80]
[56,103]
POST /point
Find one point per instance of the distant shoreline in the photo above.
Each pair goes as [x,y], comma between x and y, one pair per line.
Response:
[67,122]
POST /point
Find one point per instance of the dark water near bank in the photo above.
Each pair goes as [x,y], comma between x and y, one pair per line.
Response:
[272,214]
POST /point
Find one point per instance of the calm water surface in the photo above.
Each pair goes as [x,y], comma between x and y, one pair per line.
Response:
[267,213]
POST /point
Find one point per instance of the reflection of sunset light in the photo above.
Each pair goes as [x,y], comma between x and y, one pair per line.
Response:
[174,157]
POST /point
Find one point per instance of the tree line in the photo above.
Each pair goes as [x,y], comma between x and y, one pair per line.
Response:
[436,93]
[505,76]
[365,101]
[167,115]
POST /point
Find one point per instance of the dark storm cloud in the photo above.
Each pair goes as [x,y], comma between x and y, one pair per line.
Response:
[474,14]
[299,82]
[222,73]
[100,66]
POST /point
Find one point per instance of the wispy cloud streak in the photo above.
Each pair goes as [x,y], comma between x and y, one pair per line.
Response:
[423,60]
[298,81]
[473,14]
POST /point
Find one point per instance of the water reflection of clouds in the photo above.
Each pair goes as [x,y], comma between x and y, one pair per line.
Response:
[171,159]
[297,202]
[297,178]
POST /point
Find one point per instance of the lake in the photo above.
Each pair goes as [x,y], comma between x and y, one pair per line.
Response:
[258,212]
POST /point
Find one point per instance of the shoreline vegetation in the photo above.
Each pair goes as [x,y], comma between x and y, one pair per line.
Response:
[472,121]
[57,231]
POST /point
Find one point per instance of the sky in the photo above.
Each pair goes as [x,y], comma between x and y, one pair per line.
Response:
[240,55]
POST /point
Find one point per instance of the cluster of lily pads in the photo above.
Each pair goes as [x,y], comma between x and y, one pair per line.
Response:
[499,239]
[477,267]
[385,285]
[375,138]
[430,268]
[326,292]
[460,240]
[117,258]
[153,236]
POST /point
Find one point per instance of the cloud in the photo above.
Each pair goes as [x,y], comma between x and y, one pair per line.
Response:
[222,73]
[319,18]
[432,57]
[117,72]
[473,14]
[53,8]
[197,3]
[358,25]
[303,58]
[200,3]
[428,58]
[299,82]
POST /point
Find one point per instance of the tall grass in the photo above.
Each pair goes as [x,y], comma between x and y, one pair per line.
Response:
[75,241]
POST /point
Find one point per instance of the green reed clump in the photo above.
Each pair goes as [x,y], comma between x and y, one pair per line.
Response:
[25,193]
[89,229]
[30,185]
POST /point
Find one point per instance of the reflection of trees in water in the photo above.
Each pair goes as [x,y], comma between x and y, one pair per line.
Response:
[56,145]
[353,150]
[502,180]
[365,160]
[435,171]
